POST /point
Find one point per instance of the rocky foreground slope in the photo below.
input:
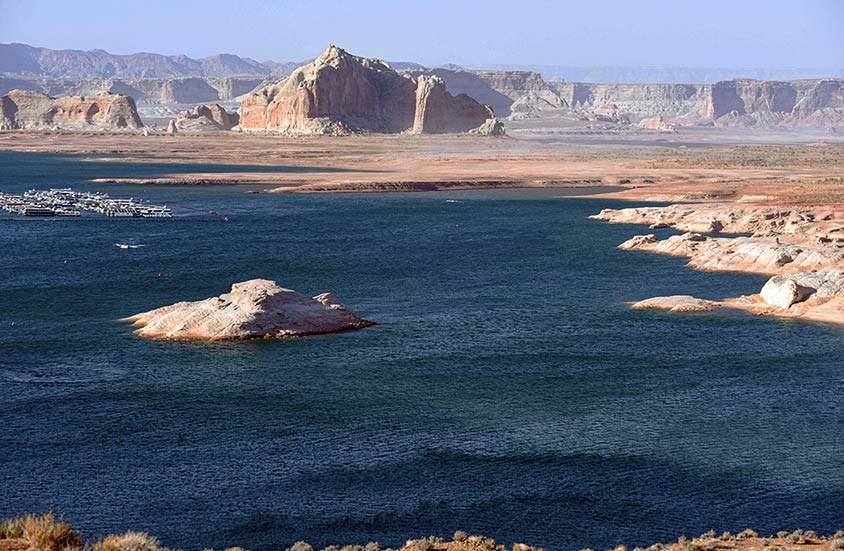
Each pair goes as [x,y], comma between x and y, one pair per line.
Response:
[26,110]
[340,93]
[254,309]
[46,533]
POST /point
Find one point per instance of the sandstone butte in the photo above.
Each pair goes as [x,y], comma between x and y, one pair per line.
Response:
[802,248]
[28,110]
[254,309]
[339,93]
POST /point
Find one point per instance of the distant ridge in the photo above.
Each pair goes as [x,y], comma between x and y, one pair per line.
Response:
[25,60]
[30,61]
[666,75]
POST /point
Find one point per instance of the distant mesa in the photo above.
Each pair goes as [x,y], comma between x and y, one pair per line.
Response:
[28,110]
[254,309]
[340,93]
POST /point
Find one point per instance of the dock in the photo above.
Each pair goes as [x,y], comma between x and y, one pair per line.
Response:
[66,202]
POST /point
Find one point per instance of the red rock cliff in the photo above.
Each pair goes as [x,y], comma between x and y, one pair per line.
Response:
[340,92]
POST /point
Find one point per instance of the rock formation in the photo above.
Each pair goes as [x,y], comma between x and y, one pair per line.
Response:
[784,240]
[254,309]
[206,117]
[676,303]
[802,248]
[438,112]
[505,91]
[492,127]
[172,129]
[26,110]
[145,92]
[655,123]
[340,93]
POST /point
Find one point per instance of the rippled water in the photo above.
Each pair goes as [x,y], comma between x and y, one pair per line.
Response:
[507,390]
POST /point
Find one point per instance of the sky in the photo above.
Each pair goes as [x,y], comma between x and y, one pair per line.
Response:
[672,33]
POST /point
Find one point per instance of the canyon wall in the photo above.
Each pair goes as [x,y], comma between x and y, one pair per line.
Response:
[498,89]
[146,92]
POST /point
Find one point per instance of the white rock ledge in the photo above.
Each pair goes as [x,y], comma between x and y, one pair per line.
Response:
[254,309]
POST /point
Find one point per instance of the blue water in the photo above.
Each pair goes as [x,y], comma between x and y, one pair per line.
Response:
[507,391]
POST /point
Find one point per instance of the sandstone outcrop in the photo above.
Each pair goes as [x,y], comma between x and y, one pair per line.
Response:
[676,303]
[206,117]
[27,110]
[492,127]
[254,309]
[657,123]
[340,93]
[801,247]
[506,92]
[438,112]
[782,292]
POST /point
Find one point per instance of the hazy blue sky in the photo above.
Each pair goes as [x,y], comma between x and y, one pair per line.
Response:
[708,33]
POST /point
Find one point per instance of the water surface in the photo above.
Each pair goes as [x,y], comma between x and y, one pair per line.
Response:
[507,390]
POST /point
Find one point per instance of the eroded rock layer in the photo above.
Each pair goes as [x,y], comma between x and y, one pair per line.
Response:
[801,247]
[254,309]
[26,110]
[206,117]
[340,93]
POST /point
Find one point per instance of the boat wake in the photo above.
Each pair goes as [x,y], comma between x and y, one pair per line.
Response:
[128,246]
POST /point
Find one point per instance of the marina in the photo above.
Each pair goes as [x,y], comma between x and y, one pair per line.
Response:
[65,202]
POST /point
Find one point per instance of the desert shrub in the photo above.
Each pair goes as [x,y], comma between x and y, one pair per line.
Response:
[11,529]
[372,546]
[838,535]
[235,549]
[130,541]
[795,537]
[726,536]
[300,546]
[782,534]
[460,535]
[838,543]
[46,533]
[748,533]
[708,535]
[810,535]
[712,544]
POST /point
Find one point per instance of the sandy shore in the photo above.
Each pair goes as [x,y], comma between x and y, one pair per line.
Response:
[425,163]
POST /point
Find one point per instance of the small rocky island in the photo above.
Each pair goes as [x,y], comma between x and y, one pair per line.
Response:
[254,309]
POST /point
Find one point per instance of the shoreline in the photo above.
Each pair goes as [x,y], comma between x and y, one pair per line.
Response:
[48,533]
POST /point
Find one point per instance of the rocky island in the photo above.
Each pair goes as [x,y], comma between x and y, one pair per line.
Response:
[254,309]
